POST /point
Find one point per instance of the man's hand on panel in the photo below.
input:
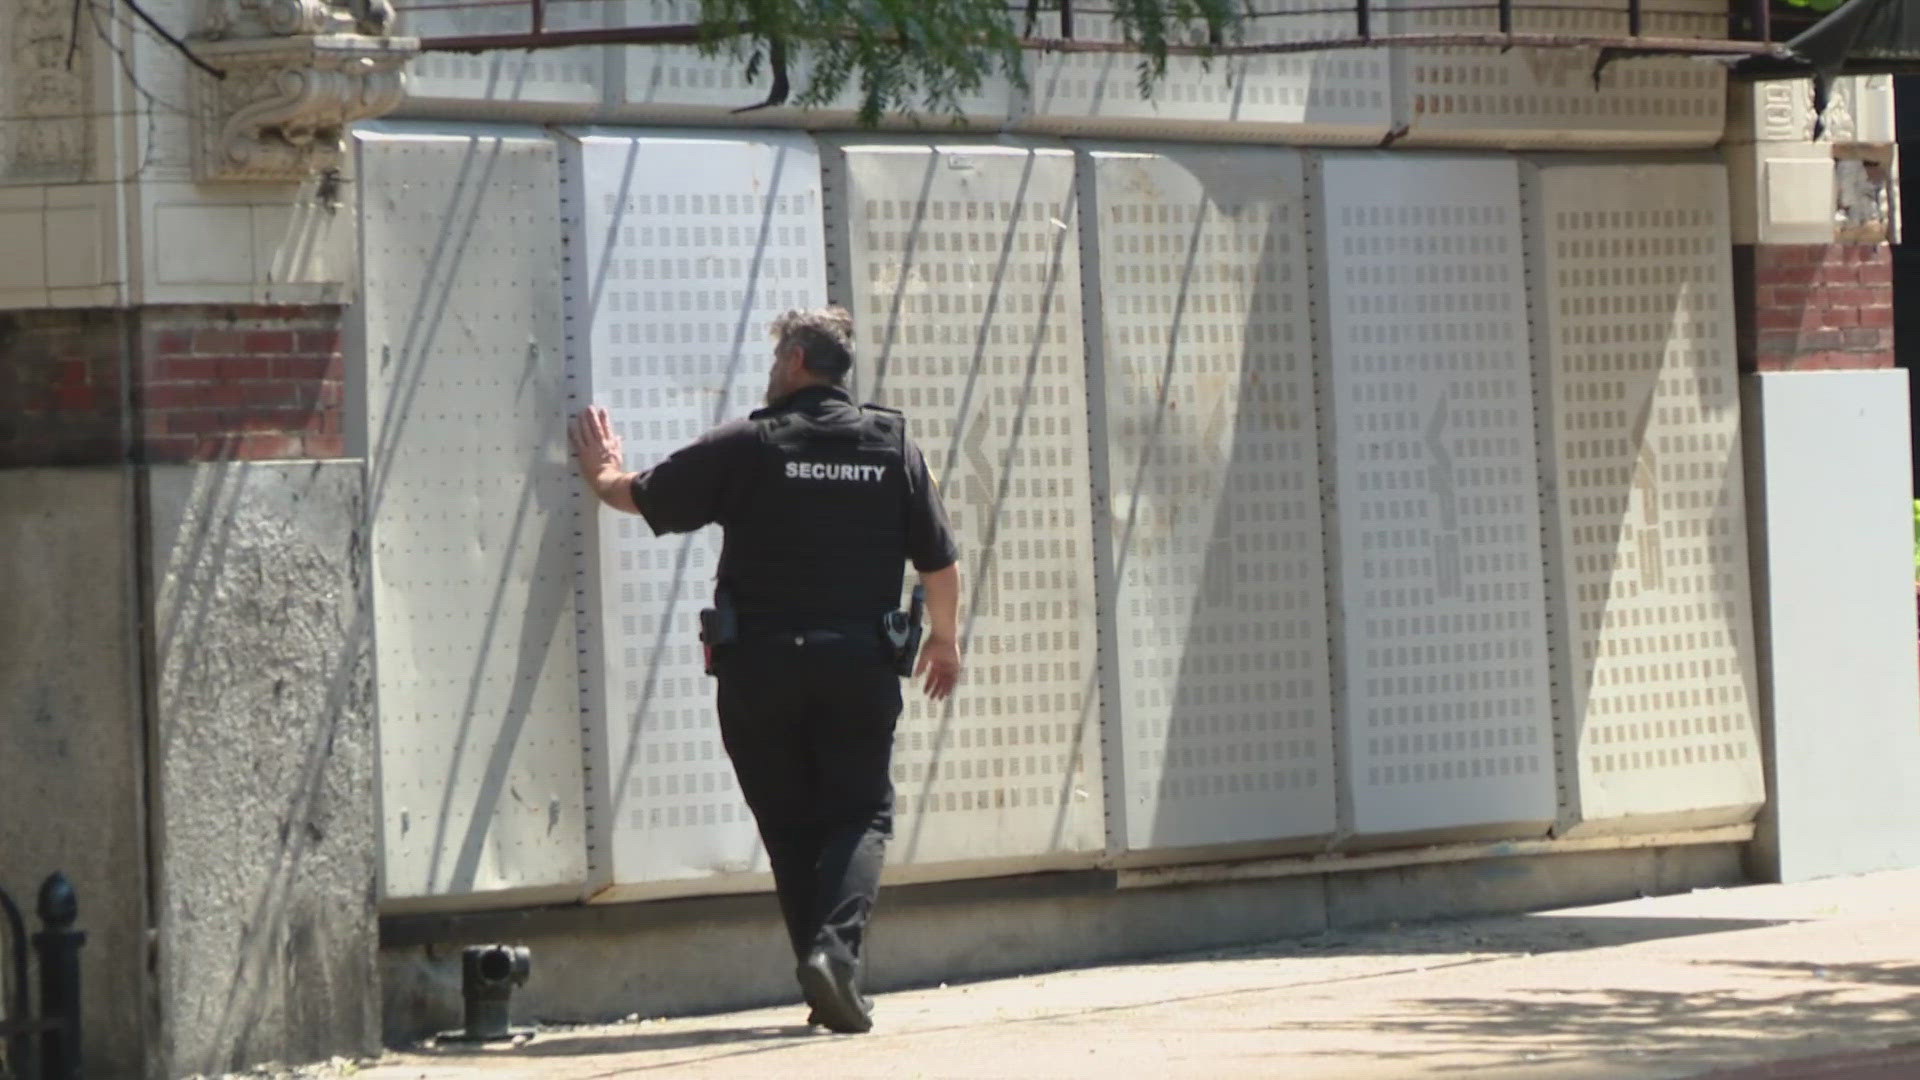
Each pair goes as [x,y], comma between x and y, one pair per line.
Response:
[596,446]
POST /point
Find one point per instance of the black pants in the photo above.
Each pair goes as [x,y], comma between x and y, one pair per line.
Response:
[810,730]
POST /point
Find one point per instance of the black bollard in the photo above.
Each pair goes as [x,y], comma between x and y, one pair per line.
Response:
[58,947]
[488,974]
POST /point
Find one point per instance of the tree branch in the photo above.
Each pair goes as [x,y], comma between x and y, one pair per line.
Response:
[73,34]
[104,34]
[167,36]
[777,66]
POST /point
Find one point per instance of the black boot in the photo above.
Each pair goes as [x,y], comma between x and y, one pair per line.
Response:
[830,988]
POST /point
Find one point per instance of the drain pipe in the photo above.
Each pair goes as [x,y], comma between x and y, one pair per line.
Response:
[488,975]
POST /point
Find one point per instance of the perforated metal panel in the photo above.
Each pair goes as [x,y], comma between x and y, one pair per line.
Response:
[1648,536]
[1333,96]
[472,502]
[681,250]
[670,83]
[1547,97]
[1207,450]
[574,76]
[962,268]
[678,77]
[1444,691]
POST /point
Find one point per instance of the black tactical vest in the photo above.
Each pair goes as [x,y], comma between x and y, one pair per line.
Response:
[821,528]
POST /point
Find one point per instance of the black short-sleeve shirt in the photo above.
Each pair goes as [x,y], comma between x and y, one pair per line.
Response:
[822,502]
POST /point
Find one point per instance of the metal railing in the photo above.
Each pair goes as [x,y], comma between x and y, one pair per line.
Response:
[45,1046]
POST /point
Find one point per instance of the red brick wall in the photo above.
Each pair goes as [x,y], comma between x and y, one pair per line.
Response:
[209,383]
[247,383]
[60,389]
[1812,307]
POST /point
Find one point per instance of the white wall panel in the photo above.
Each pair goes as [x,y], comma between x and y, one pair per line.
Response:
[1833,544]
[1330,97]
[1207,457]
[1657,685]
[472,502]
[961,264]
[676,77]
[1548,97]
[681,250]
[1444,691]
[576,76]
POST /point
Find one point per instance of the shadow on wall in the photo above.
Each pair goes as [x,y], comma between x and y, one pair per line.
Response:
[406,394]
[731,388]
[995,447]
[1654,537]
[1245,705]
[1653,598]
[518,547]
[264,762]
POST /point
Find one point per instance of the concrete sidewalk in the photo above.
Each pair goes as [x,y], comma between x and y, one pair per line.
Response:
[1810,980]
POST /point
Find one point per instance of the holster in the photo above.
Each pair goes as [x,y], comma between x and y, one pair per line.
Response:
[903,630]
[719,627]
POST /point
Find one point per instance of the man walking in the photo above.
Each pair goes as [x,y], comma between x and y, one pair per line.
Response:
[822,502]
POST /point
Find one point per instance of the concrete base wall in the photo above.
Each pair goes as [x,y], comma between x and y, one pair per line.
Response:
[677,957]
[72,772]
[1832,546]
[265,757]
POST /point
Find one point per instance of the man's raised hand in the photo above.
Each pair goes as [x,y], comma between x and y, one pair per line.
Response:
[596,446]
[602,464]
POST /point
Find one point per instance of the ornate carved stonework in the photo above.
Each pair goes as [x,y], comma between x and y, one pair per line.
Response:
[297,73]
[296,18]
[1840,124]
[47,104]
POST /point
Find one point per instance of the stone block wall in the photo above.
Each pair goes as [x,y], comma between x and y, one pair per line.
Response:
[186,707]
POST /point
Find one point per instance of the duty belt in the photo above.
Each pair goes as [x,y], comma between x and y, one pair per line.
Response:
[810,629]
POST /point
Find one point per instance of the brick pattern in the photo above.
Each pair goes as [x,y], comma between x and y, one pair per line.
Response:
[1814,307]
[209,384]
[249,384]
[60,388]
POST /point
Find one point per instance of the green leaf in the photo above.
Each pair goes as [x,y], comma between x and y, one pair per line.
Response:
[905,56]
[1916,539]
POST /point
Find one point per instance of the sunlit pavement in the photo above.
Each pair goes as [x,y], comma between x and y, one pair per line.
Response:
[1817,980]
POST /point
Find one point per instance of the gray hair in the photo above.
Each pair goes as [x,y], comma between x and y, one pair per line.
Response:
[824,337]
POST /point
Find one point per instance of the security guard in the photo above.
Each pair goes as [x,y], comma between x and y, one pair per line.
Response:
[822,501]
